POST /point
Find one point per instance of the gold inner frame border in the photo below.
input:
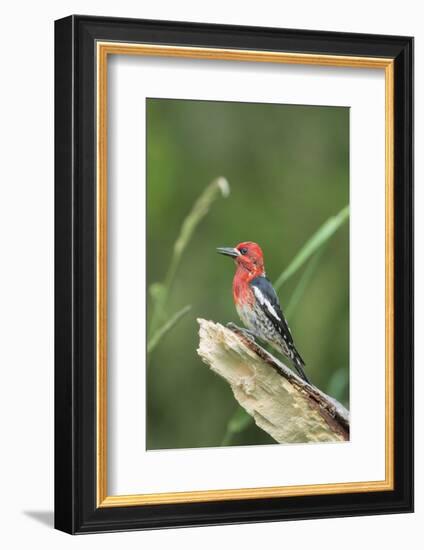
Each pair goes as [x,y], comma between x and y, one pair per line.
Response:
[103,50]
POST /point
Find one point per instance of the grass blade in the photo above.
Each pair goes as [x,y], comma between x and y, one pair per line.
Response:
[160,333]
[218,187]
[318,239]
[303,283]
[237,423]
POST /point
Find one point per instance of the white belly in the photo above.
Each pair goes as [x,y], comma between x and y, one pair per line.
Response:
[247,317]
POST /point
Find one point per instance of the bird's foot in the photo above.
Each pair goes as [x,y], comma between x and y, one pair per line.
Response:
[244,331]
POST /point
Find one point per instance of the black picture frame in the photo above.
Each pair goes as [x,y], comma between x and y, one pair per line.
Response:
[76,508]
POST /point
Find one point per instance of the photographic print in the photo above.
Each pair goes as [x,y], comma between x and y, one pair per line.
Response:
[233,274]
[247,274]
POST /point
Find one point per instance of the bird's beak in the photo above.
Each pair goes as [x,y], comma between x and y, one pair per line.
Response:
[233,252]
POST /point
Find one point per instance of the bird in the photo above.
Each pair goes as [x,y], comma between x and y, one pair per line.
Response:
[257,303]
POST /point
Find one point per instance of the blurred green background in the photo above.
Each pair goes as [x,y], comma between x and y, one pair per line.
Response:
[288,170]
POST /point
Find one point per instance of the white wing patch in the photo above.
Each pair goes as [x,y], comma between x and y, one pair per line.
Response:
[264,302]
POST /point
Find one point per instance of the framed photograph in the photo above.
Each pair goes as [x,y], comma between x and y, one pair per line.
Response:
[234,274]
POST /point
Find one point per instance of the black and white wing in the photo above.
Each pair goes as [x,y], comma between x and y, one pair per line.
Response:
[267,300]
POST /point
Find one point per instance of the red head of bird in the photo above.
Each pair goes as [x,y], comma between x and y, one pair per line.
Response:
[249,260]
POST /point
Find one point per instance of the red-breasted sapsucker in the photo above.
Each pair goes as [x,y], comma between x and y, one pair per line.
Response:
[257,302]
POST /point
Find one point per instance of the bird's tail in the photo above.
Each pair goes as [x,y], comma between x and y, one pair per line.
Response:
[299,365]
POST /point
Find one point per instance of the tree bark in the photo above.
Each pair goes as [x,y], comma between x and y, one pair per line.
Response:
[280,402]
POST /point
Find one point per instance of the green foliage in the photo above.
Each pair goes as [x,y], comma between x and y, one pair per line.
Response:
[160,333]
[238,422]
[317,240]
[303,283]
[289,171]
[200,209]
[159,291]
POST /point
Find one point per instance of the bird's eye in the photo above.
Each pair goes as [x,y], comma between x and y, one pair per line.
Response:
[243,251]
